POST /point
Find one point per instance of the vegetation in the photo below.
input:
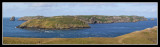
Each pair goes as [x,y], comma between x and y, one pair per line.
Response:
[57,22]
[73,22]
[146,36]
[110,19]
[25,18]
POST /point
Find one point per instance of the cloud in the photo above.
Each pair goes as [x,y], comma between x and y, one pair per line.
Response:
[61,8]
[141,10]
[70,4]
[41,5]
[145,4]
[153,10]
[101,4]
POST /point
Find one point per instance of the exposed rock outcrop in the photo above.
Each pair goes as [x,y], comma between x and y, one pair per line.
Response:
[25,18]
[12,18]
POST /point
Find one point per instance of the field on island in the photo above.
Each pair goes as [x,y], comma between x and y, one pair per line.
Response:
[146,36]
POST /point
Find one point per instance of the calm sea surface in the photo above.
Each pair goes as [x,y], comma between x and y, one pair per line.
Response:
[96,30]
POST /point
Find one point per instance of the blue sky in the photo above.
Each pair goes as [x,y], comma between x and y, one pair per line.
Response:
[20,9]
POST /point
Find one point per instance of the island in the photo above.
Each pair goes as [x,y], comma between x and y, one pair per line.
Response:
[57,22]
[12,18]
[75,22]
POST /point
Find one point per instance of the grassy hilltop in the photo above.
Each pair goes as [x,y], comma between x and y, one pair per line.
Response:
[146,36]
[57,22]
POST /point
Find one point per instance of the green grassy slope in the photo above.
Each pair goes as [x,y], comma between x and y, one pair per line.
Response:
[59,22]
[146,36]
[79,21]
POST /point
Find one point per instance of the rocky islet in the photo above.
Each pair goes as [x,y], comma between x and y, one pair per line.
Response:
[12,18]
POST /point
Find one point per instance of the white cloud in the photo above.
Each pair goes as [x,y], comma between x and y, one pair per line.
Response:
[144,4]
[41,5]
[153,10]
[38,4]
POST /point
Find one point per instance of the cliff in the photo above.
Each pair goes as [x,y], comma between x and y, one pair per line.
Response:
[25,18]
[59,22]
[12,18]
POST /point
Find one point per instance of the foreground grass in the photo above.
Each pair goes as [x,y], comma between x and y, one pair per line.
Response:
[147,36]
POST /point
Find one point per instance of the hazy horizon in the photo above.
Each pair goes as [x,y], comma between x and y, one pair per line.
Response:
[20,9]
[51,16]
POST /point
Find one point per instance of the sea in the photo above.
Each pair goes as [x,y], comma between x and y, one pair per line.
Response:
[96,30]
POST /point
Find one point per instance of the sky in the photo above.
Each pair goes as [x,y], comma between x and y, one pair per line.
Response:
[20,9]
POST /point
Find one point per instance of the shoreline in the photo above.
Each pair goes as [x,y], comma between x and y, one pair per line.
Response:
[144,37]
[69,28]
[91,37]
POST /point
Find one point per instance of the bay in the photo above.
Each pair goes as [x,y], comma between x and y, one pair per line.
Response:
[96,30]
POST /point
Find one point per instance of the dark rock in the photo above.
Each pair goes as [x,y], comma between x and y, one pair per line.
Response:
[92,20]
[12,18]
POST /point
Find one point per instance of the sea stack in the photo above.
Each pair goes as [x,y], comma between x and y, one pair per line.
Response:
[12,18]
[152,19]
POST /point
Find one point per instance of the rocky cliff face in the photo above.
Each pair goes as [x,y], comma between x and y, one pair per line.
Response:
[110,19]
[30,17]
[12,18]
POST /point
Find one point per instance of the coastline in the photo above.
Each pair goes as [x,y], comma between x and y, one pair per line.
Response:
[144,37]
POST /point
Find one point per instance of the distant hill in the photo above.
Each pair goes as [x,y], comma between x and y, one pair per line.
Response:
[109,19]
